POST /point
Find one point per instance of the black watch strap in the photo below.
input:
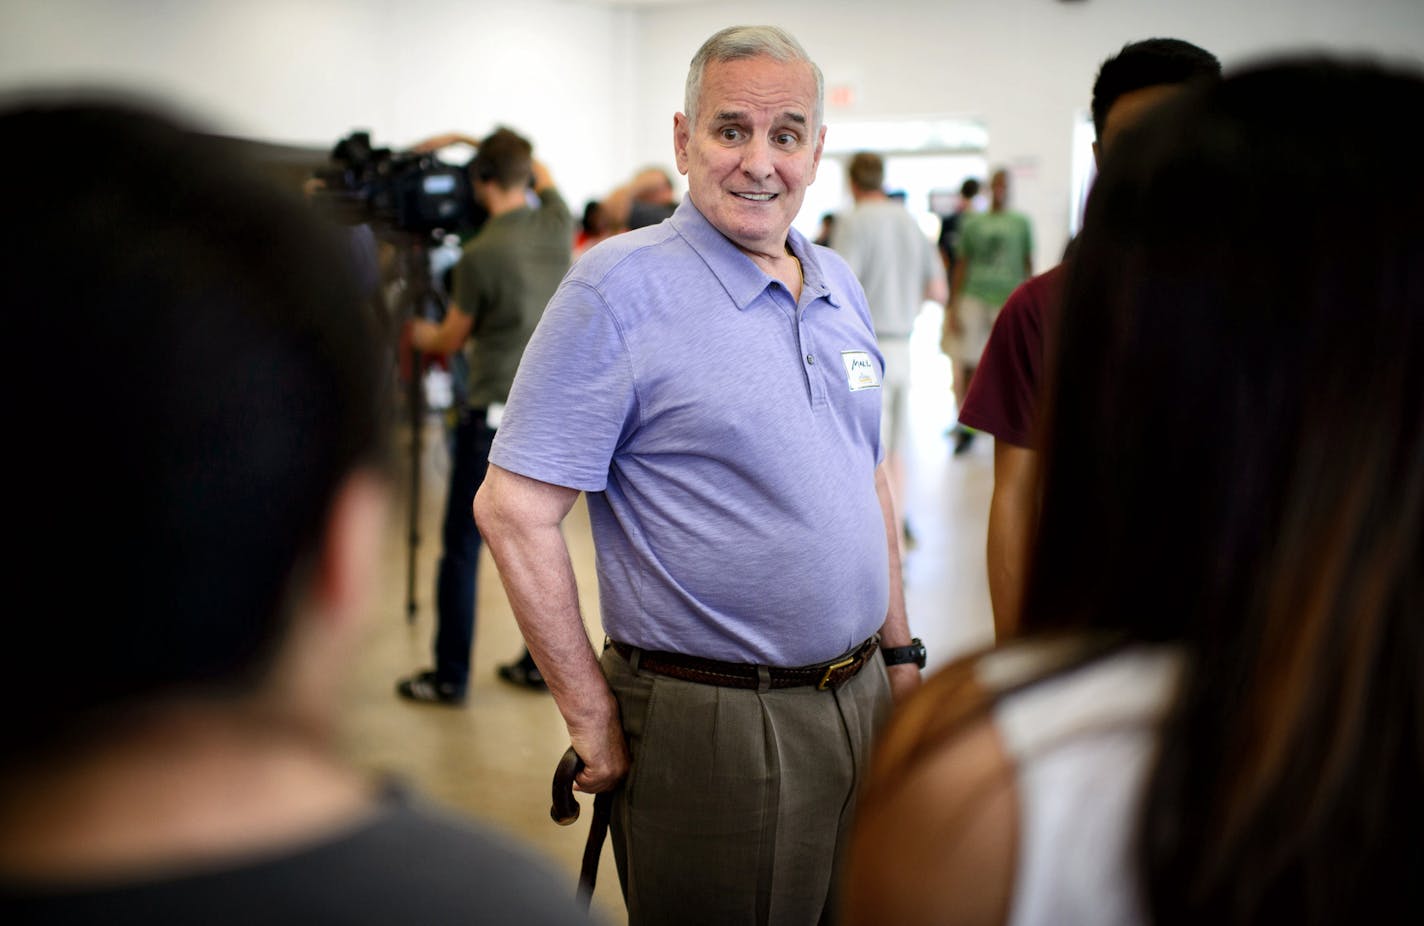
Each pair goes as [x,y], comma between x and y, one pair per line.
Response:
[899,655]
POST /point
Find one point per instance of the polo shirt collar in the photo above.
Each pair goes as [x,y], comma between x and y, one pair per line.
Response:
[743,280]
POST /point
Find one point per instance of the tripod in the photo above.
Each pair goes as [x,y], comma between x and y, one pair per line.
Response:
[416,296]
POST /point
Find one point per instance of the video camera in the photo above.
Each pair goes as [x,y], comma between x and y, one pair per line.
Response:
[399,191]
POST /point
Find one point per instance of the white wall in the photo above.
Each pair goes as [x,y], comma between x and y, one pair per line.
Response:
[595,86]
[1025,67]
[307,72]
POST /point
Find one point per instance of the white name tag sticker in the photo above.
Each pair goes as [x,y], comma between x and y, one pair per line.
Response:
[861,370]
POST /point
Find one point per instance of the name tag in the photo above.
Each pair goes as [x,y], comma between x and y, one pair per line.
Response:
[861,370]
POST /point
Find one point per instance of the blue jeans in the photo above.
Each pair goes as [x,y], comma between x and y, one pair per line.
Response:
[455,580]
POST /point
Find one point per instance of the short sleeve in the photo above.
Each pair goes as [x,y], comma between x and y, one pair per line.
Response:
[1004,393]
[573,399]
[467,277]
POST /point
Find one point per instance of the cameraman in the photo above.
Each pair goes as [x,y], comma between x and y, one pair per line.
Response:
[505,277]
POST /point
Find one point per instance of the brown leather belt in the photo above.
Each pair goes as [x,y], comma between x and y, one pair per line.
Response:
[825,675]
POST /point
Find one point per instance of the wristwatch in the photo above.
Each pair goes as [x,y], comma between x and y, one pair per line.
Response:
[899,655]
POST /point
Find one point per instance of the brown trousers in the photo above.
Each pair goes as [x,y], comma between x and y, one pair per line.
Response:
[738,802]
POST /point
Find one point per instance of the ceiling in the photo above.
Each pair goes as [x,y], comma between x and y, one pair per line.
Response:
[638,2]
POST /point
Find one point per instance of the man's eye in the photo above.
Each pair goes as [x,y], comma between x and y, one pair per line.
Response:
[731,133]
[785,139]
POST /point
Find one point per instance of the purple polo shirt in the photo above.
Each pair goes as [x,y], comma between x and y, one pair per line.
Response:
[726,438]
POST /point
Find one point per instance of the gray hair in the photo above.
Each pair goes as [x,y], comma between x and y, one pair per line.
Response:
[739,42]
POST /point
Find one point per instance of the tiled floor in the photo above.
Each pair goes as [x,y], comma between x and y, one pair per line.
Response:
[494,758]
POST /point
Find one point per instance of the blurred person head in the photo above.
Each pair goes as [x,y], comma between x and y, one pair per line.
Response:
[750,140]
[653,185]
[504,160]
[999,189]
[968,190]
[653,198]
[194,382]
[1235,463]
[646,199]
[594,221]
[1141,75]
[866,172]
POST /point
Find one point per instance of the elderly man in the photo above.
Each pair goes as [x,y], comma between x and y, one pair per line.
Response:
[712,383]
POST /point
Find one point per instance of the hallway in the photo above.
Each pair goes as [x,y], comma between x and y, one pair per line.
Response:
[494,758]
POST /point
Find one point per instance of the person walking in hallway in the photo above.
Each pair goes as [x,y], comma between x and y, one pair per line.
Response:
[900,270]
[994,254]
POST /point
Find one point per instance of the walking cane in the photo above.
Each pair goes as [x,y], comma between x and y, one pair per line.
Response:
[565,811]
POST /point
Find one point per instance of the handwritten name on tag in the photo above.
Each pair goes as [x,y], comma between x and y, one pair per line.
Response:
[862,372]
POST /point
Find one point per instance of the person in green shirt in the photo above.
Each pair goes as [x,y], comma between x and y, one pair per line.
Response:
[993,256]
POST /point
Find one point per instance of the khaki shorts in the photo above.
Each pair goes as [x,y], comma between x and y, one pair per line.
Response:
[893,390]
[976,317]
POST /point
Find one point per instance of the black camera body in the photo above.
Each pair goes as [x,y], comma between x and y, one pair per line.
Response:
[398,191]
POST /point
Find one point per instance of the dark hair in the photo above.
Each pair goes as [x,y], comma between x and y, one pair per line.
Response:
[594,219]
[191,374]
[1234,461]
[1148,63]
[504,157]
[969,188]
[867,171]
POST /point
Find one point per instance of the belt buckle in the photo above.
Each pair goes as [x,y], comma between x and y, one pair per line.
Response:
[830,669]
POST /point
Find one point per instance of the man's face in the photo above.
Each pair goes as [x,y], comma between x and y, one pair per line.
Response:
[999,189]
[1128,110]
[754,149]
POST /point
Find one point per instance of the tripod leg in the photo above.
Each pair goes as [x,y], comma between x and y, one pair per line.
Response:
[417,423]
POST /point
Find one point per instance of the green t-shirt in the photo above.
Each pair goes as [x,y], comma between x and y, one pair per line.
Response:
[996,246]
[506,275]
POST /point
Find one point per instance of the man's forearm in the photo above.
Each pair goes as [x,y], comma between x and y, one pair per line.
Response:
[895,631]
[541,178]
[538,577]
[444,337]
[1005,554]
[936,290]
[1013,518]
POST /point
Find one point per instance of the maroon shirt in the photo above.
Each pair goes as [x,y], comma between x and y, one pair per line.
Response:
[1004,393]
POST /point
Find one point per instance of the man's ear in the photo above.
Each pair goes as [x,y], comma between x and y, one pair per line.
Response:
[681,136]
[816,155]
[351,546]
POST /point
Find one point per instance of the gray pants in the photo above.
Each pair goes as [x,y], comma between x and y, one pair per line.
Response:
[738,803]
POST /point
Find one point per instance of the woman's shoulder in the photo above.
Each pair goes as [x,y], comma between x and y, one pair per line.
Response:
[935,822]
[943,811]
